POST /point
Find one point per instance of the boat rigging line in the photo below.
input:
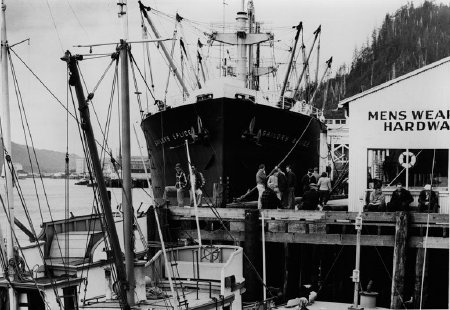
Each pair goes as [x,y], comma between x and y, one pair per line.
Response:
[15,180]
[84,112]
[95,206]
[422,280]
[24,119]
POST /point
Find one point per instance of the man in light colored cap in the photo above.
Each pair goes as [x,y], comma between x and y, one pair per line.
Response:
[428,200]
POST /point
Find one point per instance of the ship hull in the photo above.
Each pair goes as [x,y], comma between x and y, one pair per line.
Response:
[228,139]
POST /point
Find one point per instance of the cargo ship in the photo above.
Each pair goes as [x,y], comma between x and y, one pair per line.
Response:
[231,125]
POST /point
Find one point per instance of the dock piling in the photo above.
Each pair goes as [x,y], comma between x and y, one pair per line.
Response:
[399,261]
[252,249]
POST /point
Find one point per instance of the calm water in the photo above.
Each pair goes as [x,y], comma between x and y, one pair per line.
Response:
[81,200]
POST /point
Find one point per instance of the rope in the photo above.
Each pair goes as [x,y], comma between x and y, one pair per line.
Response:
[426,234]
[53,95]
[95,204]
[136,89]
[30,222]
[41,294]
[143,78]
[23,117]
[54,25]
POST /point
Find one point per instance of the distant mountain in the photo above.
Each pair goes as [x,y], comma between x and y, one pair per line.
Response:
[409,39]
[49,161]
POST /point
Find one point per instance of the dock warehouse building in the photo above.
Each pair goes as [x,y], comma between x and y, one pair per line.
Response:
[400,131]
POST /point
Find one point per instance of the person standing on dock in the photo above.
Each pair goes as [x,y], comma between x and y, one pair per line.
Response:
[316,173]
[199,183]
[180,185]
[260,182]
[291,184]
[324,185]
[282,187]
[308,179]
[400,200]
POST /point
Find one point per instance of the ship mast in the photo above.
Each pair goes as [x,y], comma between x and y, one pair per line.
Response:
[291,60]
[242,39]
[305,63]
[6,132]
[144,10]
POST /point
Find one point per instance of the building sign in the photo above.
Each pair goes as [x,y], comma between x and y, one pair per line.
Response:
[414,120]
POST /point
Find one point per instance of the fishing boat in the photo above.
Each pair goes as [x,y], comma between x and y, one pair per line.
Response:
[230,122]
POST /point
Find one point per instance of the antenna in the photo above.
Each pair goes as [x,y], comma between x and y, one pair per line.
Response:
[123,15]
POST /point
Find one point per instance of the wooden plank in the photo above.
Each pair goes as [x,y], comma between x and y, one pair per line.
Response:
[289,214]
[276,226]
[207,213]
[237,226]
[327,239]
[292,215]
[298,227]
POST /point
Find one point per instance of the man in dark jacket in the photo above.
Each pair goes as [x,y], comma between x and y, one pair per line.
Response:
[310,198]
[400,200]
[180,185]
[308,179]
[199,183]
[269,199]
[282,187]
[291,184]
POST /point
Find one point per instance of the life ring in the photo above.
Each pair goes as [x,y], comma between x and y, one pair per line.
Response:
[402,158]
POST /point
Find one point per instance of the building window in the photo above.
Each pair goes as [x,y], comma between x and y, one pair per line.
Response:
[412,167]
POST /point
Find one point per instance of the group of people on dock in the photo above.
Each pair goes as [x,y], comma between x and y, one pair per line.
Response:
[277,190]
[401,199]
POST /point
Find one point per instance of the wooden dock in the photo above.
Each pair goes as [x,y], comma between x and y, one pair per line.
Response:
[404,236]
[317,227]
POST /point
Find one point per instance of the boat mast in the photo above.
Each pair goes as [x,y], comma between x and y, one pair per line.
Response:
[144,10]
[127,198]
[291,60]
[72,62]
[6,128]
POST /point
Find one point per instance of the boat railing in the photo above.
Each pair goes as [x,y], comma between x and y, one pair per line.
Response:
[203,281]
[198,263]
[260,305]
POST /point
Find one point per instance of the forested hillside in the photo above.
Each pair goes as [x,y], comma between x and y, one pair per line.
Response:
[409,39]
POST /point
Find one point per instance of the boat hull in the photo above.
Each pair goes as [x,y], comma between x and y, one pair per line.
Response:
[228,139]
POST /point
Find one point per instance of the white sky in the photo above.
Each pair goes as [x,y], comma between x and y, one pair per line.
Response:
[346,25]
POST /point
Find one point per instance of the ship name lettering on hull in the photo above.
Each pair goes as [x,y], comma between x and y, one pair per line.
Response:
[174,136]
[283,138]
